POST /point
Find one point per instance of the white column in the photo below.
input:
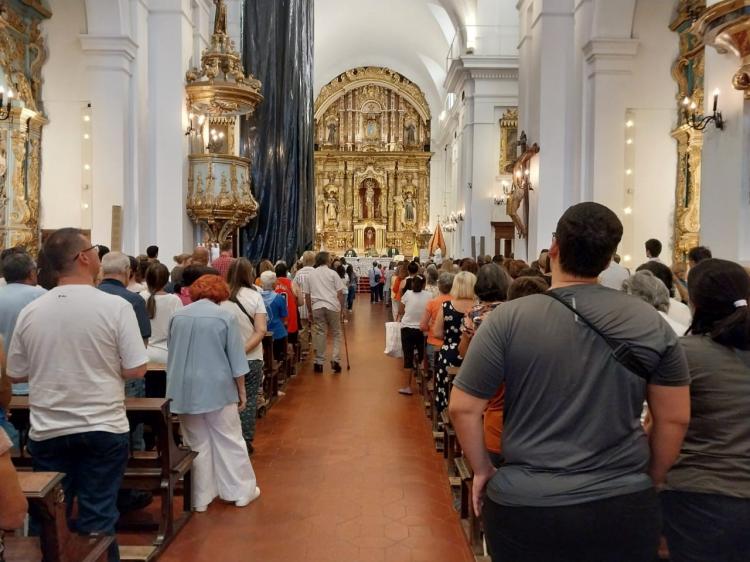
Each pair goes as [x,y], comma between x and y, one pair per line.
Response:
[548,58]
[109,74]
[170,19]
[608,74]
[725,185]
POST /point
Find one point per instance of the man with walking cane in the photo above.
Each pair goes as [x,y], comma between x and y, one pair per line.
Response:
[324,298]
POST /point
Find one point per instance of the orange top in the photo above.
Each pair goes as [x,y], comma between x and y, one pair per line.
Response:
[395,286]
[493,422]
[433,308]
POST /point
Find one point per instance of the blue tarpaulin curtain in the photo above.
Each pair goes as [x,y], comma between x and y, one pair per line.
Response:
[278,50]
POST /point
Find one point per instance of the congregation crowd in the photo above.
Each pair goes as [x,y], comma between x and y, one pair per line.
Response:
[599,408]
[604,406]
[81,326]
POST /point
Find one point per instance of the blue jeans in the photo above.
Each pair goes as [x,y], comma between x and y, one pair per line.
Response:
[350,297]
[94,464]
[136,388]
[706,527]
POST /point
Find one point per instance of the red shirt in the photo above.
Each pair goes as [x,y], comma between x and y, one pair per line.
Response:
[284,287]
[223,263]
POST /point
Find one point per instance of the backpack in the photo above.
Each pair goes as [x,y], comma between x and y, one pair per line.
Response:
[377,275]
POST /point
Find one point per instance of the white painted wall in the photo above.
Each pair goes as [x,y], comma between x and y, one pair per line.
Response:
[128,59]
[64,97]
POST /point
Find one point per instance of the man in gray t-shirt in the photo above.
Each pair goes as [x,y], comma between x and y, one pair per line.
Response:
[572,437]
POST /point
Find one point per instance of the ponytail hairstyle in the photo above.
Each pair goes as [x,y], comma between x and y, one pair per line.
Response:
[719,292]
[417,284]
[157,277]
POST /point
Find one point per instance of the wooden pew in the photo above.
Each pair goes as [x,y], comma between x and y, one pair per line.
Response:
[43,490]
[160,471]
[470,522]
[156,471]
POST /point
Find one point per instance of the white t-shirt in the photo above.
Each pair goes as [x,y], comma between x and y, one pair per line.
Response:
[678,328]
[614,276]
[680,313]
[415,305]
[134,287]
[166,305]
[73,344]
[324,285]
[252,300]
[299,279]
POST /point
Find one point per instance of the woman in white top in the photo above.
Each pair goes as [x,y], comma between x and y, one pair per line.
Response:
[246,303]
[160,306]
[412,308]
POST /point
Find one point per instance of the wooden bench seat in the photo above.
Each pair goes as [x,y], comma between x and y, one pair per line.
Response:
[473,527]
[158,471]
[43,490]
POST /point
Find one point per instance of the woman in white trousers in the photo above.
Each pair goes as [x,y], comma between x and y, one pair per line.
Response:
[206,381]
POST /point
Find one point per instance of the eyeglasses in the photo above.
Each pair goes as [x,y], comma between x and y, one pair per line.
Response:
[94,247]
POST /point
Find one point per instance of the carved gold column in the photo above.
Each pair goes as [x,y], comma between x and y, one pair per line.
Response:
[687,71]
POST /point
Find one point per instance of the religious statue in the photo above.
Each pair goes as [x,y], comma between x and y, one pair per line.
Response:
[332,208]
[369,201]
[409,209]
[331,133]
[398,203]
[411,134]
[220,21]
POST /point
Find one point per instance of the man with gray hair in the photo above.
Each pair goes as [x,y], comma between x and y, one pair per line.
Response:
[21,289]
[308,260]
[115,276]
[324,298]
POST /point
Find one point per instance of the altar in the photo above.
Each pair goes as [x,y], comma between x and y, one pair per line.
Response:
[372,162]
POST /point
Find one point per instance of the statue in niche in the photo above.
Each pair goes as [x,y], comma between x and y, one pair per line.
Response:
[369,200]
[332,209]
[220,21]
[398,203]
[411,134]
[409,209]
[332,129]
[371,128]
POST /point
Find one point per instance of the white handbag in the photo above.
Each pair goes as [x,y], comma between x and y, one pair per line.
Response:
[393,339]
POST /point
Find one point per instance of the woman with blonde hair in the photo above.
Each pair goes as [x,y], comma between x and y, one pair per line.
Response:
[246,303]
[206,382]
[448,327]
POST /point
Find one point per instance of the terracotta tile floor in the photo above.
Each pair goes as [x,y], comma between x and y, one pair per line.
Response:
[347,469]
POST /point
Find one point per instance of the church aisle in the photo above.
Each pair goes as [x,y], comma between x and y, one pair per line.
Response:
[347,470]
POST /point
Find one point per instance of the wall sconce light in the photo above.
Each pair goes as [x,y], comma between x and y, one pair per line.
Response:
[5,108]
[460,215]
[700,122]
[191,129]
[502,198]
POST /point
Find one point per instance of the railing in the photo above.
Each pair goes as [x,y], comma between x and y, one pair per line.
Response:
[483,40]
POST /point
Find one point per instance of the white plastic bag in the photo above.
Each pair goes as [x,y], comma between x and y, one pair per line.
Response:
[393,339]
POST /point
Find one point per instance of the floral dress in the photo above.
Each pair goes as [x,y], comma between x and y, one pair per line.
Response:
[448,355]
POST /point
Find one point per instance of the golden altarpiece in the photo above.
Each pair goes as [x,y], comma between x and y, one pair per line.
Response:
[22,54]
[372,179]
[688,72]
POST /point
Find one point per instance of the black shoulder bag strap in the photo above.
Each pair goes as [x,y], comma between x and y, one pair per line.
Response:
[236,301]
[622,352]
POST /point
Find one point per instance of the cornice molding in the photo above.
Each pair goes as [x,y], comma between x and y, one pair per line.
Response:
[610,56]
[480,67]
[109,52]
